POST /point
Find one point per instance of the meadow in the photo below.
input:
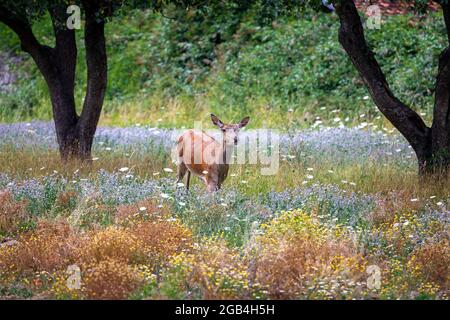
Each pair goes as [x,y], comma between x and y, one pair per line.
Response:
[344,210]
[345,216]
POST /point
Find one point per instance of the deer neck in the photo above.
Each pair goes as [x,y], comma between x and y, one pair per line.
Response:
[225,153]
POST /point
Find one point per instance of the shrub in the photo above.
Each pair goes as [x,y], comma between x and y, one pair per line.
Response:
[211,271]
[49,248]
[433,261]
[110,279]
[299,257]
[13,214]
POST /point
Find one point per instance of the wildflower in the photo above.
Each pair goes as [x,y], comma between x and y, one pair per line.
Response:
[310,169]
[168,170]
[124,169]
[309,176]
[142,208]
[164,195]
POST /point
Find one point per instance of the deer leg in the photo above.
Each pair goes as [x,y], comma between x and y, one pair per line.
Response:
[211,185]
[188,179]
[181,171]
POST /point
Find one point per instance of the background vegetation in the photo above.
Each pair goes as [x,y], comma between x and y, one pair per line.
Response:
[160,68]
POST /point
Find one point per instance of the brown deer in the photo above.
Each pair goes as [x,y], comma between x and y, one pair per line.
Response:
[202,155]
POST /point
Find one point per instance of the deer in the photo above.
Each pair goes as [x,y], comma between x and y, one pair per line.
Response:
[205,157]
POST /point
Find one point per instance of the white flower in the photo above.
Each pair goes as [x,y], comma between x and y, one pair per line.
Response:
[94,159]
[365,97]
[124,169]
[309,176]
[310,169]
[414,200]
[439,203]
[304,182]
[181,203]
[243,181]
[168,170]
[142,208]
[180,184]
[164,195]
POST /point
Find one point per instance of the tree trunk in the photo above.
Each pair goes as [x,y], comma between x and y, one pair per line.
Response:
[75,134]
[431,145]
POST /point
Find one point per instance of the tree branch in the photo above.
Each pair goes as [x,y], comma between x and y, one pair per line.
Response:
[65,46]
[28,42]
[351,37]
[96,60]
[441,111]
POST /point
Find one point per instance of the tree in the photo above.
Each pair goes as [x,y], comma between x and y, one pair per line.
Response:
[431,144]
[75,133]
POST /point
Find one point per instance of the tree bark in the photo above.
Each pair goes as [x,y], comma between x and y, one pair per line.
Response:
[431,145]
[97,70]
[440,144]
[74,133]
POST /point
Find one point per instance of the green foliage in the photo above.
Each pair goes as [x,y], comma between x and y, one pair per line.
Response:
[235,62]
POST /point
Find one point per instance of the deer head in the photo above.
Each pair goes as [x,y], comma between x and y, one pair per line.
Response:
[229,131]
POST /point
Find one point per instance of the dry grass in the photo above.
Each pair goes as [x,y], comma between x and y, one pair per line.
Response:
[12,214]
[110,279]
[434,260]
[298,257]
[50,247]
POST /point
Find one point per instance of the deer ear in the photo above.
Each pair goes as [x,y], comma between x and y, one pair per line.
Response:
[244,122]
[216,121]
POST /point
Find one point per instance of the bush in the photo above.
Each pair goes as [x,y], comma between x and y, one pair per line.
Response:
[299,257]
[13,215]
